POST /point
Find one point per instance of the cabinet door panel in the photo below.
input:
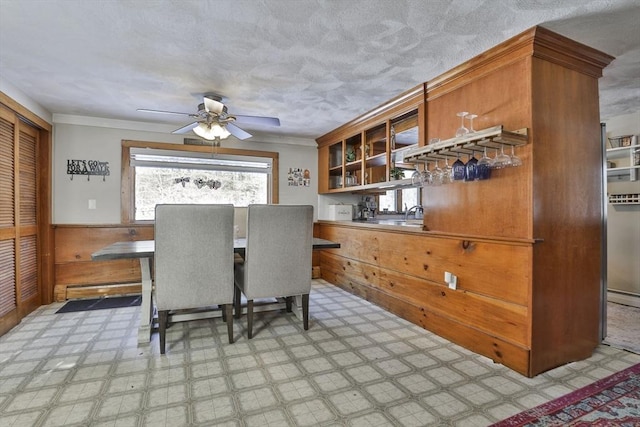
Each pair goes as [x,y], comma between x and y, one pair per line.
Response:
[491,269]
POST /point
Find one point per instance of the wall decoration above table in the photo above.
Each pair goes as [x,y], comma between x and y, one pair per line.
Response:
[88,167]
[298,177]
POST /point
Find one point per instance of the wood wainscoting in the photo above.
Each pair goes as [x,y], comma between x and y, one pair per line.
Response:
[402,271]
[77,276]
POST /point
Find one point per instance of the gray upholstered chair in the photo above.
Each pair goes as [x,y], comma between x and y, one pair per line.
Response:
[193,261]
[277,261]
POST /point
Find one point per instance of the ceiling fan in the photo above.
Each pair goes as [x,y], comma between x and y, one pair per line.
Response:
[213,122]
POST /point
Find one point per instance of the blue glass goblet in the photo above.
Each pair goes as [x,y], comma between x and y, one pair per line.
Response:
[483,170]
[458,169]
[471,169]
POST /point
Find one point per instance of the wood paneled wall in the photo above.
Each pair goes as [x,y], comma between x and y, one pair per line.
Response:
[404,273]
[77,276]
[502,205]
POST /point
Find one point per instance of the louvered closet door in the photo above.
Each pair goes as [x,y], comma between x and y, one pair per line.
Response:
[28,295]
[19,284]
[8,289]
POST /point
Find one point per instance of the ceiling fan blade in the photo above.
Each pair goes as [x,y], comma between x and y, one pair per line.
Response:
[257,120]
[213,106]
[237,132]
[187,128]
[144,110]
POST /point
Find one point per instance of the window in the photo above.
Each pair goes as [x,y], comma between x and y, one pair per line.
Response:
[193,174]
[399,200]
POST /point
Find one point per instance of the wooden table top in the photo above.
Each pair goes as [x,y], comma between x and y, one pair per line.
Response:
[146,249]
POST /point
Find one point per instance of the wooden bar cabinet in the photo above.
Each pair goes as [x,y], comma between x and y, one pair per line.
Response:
[524,244]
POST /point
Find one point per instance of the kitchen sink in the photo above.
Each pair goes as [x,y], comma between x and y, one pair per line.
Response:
[403,222]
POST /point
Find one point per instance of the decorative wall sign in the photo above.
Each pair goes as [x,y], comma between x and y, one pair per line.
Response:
[299,177]
[88,167]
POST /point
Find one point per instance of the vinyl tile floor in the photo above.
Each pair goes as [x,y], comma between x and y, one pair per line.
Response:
[357,365]
[623,327]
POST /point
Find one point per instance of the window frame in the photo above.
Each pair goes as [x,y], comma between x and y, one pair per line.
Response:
[127,179]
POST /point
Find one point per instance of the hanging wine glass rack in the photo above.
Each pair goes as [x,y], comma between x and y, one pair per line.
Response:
[493,137]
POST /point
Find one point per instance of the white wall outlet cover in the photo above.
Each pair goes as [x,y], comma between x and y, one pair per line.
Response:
[92,203]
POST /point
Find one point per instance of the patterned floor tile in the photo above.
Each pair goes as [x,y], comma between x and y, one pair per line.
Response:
[311,413]
[350,402]
[357,365]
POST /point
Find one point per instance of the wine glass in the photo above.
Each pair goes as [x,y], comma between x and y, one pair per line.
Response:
[471,117]
[471,168]
[416,178]
[437,174]
[447,172]
[501,160]
[462,131]
[458,169]
[515,160]
[427,175]
[483,170]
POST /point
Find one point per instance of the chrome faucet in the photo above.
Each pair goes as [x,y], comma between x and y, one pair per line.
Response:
[418,214]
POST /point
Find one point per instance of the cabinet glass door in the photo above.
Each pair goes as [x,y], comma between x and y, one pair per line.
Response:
[353,161]
[404,134]
[336,156]
[375,151]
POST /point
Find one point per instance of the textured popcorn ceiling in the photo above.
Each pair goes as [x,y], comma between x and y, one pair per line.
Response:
[314,64]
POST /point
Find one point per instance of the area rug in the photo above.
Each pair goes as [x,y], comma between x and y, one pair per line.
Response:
[623,327]
[100,303]
[611,401]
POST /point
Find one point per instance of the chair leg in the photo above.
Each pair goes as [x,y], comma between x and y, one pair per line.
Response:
[163,318]
[228,314]
[250,318]
[223,310]
[237,294]
[305,311]
[288,303]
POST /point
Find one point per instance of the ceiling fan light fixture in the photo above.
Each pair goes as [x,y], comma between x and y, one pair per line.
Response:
[211,131]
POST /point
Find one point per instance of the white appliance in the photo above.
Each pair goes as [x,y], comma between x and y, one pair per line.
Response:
[340,212]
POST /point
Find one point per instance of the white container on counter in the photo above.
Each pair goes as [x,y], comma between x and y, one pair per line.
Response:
[340,212]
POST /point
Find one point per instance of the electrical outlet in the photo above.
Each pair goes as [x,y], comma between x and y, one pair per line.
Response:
[92,203]
[453,283]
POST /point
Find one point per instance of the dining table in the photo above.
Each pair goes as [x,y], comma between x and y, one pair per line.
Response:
[144,251]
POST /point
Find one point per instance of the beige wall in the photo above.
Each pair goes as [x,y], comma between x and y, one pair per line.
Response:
[83,142]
